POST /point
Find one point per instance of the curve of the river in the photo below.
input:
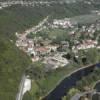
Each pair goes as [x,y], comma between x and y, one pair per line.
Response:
[70,81]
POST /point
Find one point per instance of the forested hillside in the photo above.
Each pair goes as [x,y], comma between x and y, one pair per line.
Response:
[12,65]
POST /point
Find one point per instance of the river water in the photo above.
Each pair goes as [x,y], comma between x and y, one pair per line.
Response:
[69,82]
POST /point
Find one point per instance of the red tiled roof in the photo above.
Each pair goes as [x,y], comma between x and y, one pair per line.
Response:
[42,49]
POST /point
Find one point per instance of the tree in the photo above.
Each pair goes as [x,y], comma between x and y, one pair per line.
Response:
[37,71]
[27,96]
[73,91]
[92,55]
[64,98]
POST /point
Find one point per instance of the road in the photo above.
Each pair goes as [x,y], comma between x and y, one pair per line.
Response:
[21,87]
[37,27]
[34,29]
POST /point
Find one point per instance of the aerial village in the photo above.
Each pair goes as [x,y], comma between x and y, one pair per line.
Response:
[47,52]
[43,51]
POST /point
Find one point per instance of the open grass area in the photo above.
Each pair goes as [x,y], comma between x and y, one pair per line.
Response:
[85,19]
[53,78]
[56,35]
[56,32]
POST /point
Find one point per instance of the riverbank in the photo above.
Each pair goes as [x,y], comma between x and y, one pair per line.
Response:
[47,84]
[81,71]
[65,77]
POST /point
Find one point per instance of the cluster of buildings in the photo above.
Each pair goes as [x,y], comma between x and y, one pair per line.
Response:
[42,50]
[87,37]
[62,23]
[86,44]
[47,52]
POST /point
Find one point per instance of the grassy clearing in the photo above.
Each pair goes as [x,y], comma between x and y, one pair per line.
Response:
[85,19]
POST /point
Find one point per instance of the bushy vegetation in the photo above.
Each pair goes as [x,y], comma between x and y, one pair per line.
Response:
[71,93]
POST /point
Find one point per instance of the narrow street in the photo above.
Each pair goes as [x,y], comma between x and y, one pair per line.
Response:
[21,87]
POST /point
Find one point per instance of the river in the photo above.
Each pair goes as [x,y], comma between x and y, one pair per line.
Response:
[70,81]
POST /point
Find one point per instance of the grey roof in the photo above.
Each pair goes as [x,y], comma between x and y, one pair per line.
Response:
[76,97]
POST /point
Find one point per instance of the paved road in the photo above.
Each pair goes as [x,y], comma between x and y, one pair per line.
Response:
[21,87]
